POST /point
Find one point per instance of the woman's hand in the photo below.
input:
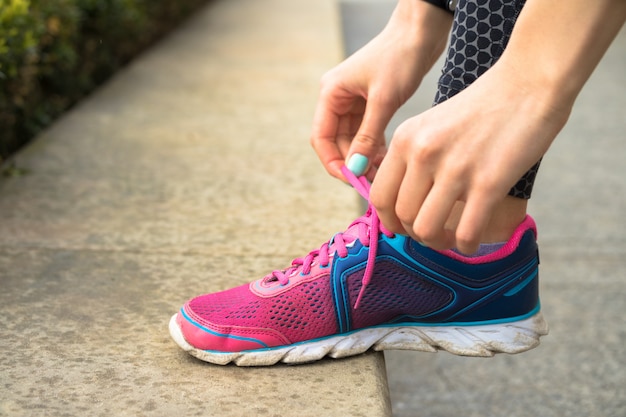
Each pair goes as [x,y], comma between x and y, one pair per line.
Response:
[471,149]
[360,95]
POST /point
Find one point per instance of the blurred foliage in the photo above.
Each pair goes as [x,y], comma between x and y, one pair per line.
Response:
[53,52]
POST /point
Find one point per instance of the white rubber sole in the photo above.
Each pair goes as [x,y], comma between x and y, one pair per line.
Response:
[477,340]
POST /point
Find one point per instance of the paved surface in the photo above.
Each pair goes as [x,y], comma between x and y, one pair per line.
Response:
[189,172]
[579,204]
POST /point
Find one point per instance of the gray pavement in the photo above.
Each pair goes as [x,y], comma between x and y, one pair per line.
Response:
[189,172]
[579,202]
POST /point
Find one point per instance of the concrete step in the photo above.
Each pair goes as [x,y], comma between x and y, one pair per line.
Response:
[189,172]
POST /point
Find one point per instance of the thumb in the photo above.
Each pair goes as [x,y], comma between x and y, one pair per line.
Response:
[369,141]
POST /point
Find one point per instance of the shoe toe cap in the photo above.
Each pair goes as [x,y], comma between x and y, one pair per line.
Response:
[204,335]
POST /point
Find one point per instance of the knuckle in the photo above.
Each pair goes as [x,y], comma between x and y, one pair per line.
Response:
[367,140]
[328,85]
[426,234]
[466,240]
[314,142]
[403,133]
[380,203]
[328,78]
[421,147]
[405,216]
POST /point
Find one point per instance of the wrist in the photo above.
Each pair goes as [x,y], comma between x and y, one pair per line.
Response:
[550,93]
[557,56]
[423,26]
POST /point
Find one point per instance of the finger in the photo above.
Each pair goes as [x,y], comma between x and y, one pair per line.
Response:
[474,220]
[331,136]
[429,226]
[345,134]
[370,138]
[384,191]
[335,122]
[415,187]
[326,126]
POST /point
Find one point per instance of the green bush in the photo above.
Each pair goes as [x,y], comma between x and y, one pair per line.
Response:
[53,52]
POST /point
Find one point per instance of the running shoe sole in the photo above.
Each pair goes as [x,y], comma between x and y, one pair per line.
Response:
[474,340]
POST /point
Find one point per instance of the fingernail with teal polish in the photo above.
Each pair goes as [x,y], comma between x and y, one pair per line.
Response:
[357,164]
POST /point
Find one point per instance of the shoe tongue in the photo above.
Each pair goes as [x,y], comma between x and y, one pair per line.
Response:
[349,236]
[351,233]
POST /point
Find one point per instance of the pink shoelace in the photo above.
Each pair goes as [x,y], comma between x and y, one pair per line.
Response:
[367,227]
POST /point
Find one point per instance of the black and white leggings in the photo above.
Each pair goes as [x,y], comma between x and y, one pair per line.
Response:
[480,32]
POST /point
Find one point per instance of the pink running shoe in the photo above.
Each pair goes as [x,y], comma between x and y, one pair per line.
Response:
[370,289]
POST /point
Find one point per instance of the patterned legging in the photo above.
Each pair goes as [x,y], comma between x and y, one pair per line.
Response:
[480,32]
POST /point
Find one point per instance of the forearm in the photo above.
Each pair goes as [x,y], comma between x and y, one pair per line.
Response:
[556,45]
[425,26]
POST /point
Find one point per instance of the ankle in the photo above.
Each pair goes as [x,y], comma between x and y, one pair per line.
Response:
[505,219]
